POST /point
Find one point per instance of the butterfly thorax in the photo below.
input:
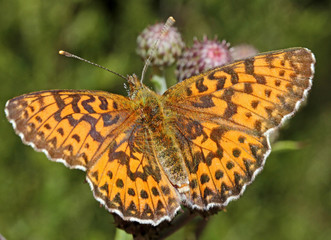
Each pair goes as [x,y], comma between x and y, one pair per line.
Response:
[154,129]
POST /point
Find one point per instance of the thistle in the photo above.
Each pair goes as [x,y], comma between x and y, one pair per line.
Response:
[169,48]
[201,57]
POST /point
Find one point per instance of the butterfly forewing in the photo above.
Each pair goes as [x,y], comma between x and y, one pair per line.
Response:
[70,126]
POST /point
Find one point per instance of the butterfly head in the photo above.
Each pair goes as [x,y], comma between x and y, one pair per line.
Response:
[135,87]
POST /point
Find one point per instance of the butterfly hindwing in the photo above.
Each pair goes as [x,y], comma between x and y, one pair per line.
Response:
[220,160]
[130,180]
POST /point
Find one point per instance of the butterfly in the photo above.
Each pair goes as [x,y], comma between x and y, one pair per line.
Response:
[198,145]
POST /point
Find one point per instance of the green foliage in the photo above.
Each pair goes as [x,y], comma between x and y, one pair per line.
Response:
[39,199]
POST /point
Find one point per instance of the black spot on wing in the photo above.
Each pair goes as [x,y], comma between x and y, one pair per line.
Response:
[86,105]
[205,102]
[109,120]
[249,65]
[200,86]
[103,103]
[232,73]
[74,103]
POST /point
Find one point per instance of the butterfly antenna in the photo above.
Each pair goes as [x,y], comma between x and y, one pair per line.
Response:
[170,21]
[67,54]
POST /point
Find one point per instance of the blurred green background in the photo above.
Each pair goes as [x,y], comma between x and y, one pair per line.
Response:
[39,199]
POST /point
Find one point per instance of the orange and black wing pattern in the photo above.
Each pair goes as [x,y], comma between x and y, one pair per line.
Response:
[223,119]
[98,132]
[73,127]
[200,144]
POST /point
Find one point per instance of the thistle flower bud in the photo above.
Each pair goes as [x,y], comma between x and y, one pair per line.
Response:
[169,48]
[243,51]
[201,57]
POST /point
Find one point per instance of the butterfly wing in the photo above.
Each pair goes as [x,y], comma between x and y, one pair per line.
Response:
[66,125]
[98,132]
[223,119]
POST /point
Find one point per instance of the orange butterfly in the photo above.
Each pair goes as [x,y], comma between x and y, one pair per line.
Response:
[198,145]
